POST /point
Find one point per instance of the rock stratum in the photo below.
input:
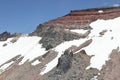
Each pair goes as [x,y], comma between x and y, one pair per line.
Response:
[82,18]
[81,45]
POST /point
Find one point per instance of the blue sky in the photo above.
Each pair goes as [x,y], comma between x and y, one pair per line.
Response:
[24,15]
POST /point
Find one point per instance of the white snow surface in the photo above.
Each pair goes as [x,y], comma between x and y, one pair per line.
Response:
[100,11]
[80,31]
[100,47]
[4,67]
[28,47]
[36,62]
[95,78]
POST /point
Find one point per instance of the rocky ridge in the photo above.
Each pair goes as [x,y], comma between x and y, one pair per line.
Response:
[82,18]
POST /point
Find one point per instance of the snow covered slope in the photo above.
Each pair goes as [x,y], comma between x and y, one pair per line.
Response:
[26,54]
[26,46]
[101,46]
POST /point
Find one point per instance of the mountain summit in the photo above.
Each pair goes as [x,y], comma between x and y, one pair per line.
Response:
[82,45]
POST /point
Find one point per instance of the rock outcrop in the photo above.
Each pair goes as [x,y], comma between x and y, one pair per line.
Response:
[53,36]
[4,36]
[111,71]
[64,62]
[72,67]
[82,18]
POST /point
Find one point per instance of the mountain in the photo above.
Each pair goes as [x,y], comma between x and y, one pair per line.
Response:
[82,45]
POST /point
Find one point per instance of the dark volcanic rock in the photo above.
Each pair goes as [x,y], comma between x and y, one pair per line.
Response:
[64,62]
[72,67]
[53,36]
[4,36]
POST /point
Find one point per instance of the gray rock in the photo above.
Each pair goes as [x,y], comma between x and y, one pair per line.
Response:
[53,36]
[72,67]
[4,36]
[64,62]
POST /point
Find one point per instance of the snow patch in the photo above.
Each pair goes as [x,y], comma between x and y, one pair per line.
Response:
[100,11]
[80,31]
[36,62]
[101,47]
[95,78]
[4,67]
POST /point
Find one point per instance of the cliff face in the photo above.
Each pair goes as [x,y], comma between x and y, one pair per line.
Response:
[82,18]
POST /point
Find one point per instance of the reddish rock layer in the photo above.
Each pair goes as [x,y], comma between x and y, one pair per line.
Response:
[82,18]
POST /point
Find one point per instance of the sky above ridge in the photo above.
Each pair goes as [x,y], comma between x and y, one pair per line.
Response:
[23,16]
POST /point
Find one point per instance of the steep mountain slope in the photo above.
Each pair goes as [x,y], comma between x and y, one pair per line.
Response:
[72,47]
